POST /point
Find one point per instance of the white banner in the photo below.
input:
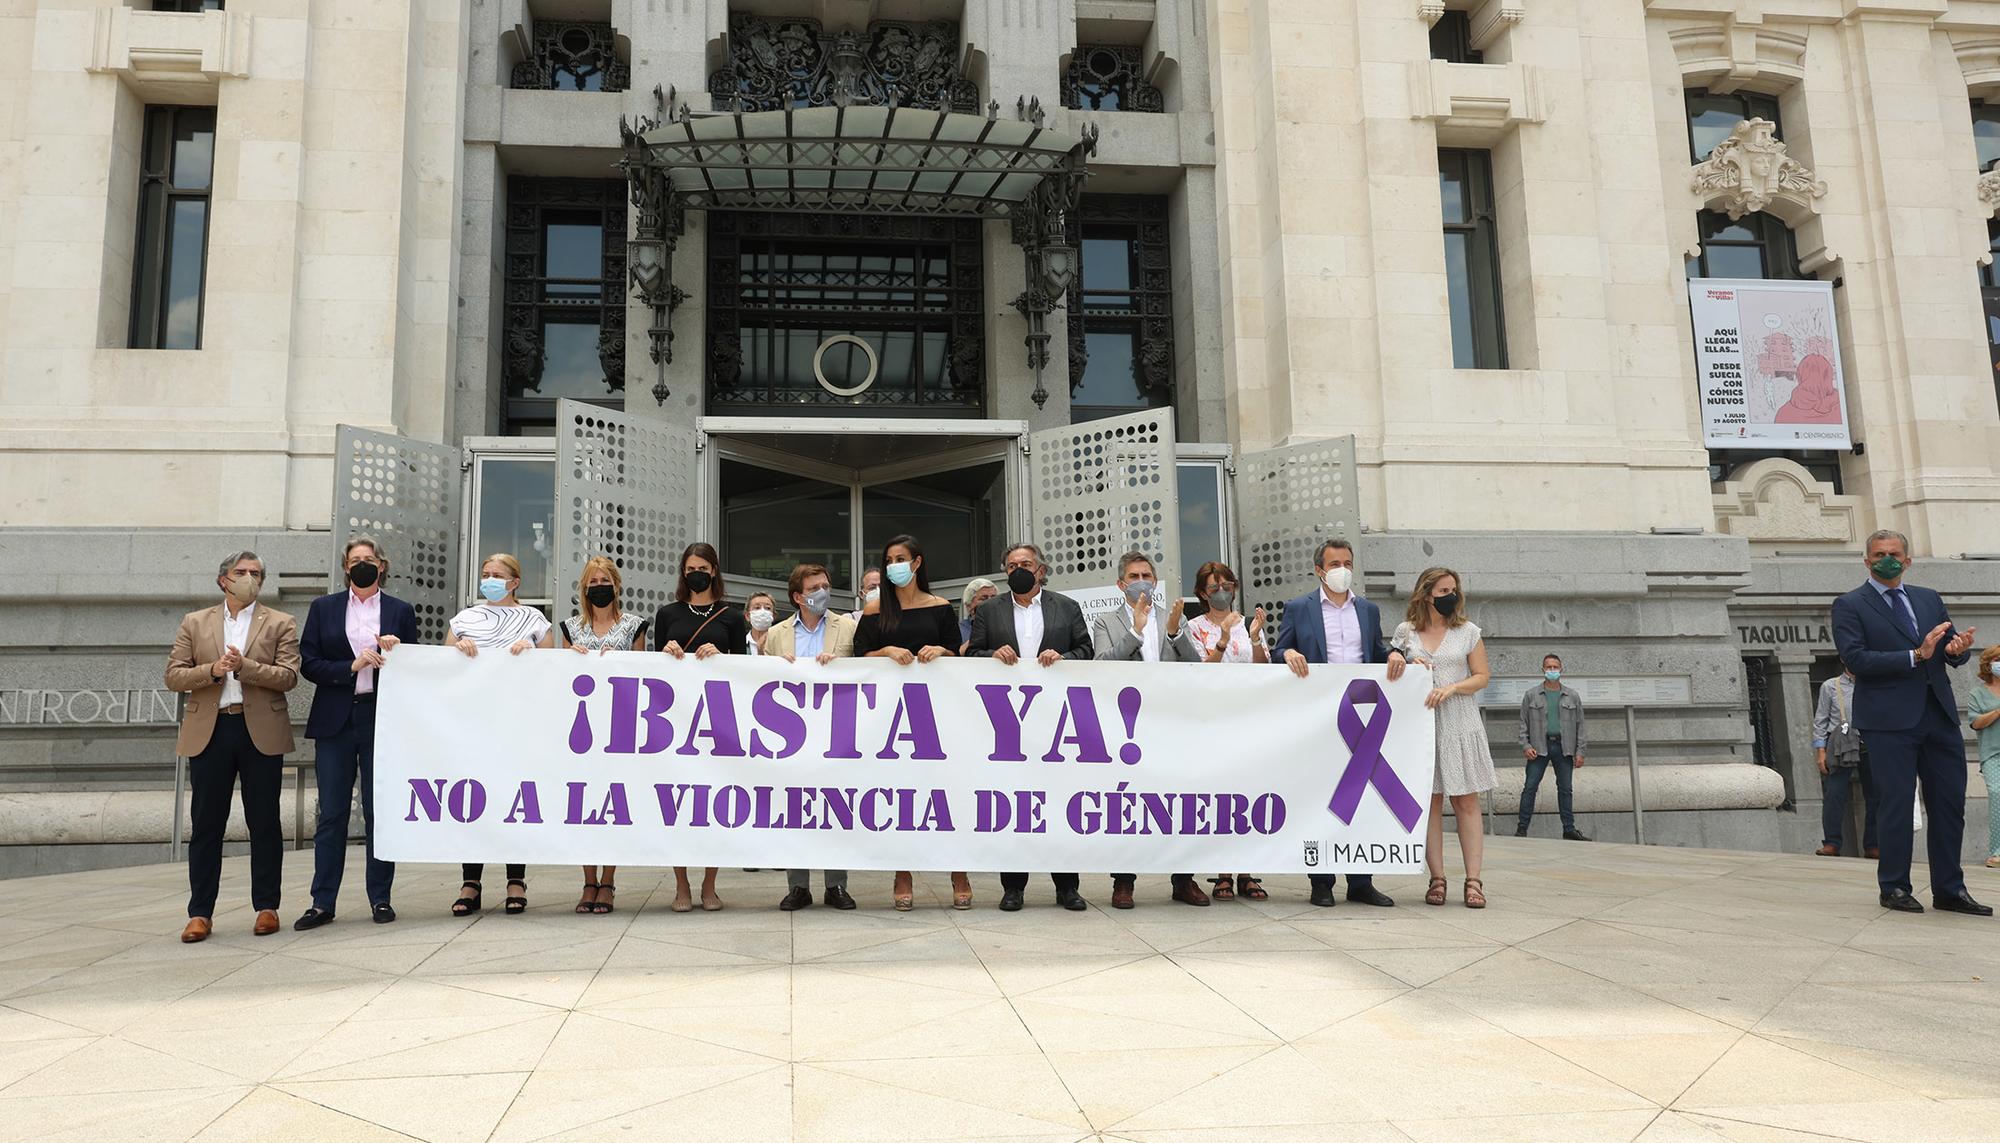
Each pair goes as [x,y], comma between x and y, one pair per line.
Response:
[1767,358]
[635,758]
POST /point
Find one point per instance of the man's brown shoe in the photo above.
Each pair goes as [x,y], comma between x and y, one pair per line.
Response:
[267,923]
[197,930]
[1121,894]
[1189,893]
[1828,851]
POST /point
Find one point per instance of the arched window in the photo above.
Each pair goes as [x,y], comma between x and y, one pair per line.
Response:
[1711,117]
[1755,246]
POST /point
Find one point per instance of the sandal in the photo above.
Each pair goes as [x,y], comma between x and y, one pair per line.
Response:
[514,903]
[466,906]
[1251,888]
[604,903]
[1225,888]
[1475,898]
[961,891]
[901,894]
[588,903]
[1438,891]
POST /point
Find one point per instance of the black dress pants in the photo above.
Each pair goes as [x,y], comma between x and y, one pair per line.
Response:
[1017,882]
[231,758]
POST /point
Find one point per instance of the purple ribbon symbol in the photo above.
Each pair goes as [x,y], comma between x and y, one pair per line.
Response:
[1365,764]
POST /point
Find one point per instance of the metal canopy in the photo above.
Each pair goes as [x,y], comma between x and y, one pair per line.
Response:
[889,160]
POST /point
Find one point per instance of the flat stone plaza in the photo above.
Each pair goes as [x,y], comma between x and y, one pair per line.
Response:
[1609,993]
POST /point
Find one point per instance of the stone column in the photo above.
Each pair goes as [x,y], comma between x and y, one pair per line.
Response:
[1791,697]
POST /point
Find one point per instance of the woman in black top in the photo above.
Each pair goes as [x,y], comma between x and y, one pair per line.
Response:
[698,620]
[910,625]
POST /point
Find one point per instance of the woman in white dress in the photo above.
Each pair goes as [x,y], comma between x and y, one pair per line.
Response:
[499,622]
[1436,632]
[601,625]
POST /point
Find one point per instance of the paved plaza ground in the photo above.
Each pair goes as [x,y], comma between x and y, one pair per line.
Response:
[1610,992]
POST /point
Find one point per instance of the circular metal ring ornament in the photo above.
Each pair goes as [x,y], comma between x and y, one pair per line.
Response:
[819,372]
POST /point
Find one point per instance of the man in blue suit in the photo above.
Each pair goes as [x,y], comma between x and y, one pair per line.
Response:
[1334,625]
[341,649]
[1898,640]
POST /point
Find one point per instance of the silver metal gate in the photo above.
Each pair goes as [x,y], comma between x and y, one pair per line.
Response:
[625,488]
[1288,501]
[405,493]
[1102,488]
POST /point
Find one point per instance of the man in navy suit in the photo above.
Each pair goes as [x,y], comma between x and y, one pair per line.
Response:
[1898,640]
[1334,625]
[341,648]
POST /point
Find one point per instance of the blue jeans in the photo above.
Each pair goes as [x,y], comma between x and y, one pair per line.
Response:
[337,763]
[1836,786]
[1551,755]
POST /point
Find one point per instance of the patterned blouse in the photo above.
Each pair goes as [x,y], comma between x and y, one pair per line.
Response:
[579,633]
[490,625]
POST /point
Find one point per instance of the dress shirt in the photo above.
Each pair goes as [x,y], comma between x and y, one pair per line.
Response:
[1027,625]
[1342,625]
[1883,590]
[1149,636]
[364,633]
[808,642]
[235,633]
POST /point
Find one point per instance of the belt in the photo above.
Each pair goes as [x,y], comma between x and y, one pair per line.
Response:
[233,708]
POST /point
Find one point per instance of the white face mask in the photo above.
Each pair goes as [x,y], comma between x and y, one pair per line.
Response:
[874,593]
[1339,580]
[760,619]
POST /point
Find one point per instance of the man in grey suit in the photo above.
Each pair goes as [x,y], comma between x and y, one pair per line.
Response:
[1029,622]
[1139,632]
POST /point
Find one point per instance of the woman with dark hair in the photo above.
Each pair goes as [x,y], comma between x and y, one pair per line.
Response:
[1436,633]
[908,624]
[701,620]
[1222,634]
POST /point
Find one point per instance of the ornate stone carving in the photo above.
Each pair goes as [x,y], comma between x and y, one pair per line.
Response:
[776,64]
[1430,11]
[1777,500]
[572,55]
[1989,191]
[1751,171]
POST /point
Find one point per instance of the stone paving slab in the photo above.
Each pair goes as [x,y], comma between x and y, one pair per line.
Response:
[1609,993]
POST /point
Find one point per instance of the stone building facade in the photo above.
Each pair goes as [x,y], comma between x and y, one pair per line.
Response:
[1427,256]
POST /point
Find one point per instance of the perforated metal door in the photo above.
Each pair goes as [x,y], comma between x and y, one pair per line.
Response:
[1288,501]
[1100,489]
[625,488]
[405,493]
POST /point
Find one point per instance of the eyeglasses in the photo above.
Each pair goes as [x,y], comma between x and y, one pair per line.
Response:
[1223,586]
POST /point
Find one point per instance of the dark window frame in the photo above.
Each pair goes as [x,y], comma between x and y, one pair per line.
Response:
[534,300]
[953,307]
[152,244]
[1985,112]
[1473,171]
[1143,311]
[1451,38]
[1989,298]
[1113,73]
[554,52]
[188,7]
[1743,104]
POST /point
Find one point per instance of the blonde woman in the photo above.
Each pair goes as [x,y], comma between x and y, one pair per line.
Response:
[498,621]
[601,624]
[1436,632]
[1985,710]
[760,611]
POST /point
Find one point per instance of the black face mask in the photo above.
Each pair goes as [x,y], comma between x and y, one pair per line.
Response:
[600,594]
[697,581]
[1446,604]
[1021,581]
[363,575]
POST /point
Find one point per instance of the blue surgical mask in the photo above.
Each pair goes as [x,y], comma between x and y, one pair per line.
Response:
[900,574]
[1552,676]
[493,588]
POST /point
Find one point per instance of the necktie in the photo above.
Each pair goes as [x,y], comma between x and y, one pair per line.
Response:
[1901,607]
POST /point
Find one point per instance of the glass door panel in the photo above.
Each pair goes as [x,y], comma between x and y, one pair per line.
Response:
[773,521]
[959,516]
[514,512]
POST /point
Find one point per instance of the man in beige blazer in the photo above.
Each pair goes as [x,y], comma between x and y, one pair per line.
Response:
[823,636]
[235,661]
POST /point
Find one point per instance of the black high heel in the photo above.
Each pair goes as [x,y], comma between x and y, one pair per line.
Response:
[603,906]
[466,906]
[515,904]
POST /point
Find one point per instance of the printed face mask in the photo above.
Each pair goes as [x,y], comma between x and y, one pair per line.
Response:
[1887,568]
[817,599]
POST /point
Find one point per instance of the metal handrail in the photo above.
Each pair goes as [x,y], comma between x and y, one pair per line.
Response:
[176,847]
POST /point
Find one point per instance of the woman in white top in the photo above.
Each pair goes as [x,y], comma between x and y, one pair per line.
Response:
[500,621]
[759,612]
[601,625]
[1436,632]
[1220,635]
